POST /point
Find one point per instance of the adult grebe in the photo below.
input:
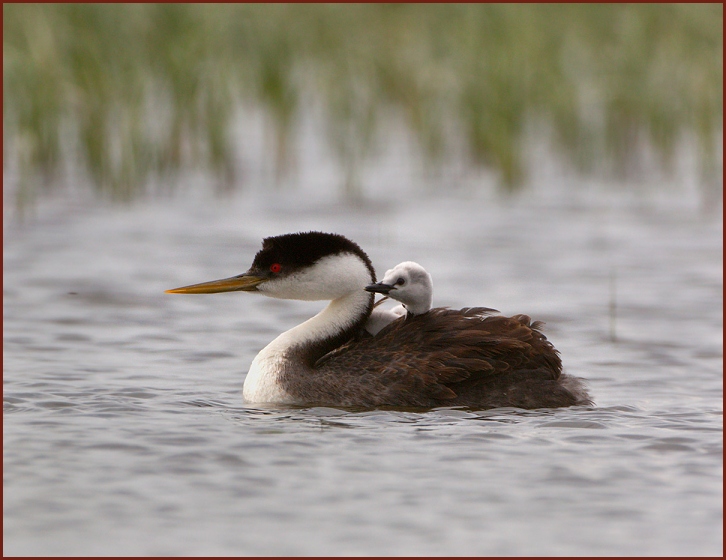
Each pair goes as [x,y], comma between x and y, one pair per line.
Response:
[441,358]
[407,282]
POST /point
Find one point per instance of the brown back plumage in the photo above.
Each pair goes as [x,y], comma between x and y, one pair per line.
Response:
[451,357]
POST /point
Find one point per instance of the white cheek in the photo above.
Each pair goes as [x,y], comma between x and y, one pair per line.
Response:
[285,288]
[330,278]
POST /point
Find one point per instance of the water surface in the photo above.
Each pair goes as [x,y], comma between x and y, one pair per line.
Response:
[125,431]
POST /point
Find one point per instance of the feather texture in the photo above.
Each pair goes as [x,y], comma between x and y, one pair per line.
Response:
[447,357]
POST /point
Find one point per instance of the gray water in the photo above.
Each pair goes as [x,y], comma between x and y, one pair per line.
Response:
[125,432]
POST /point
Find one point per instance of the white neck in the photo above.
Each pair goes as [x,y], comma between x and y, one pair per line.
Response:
[283,356]
[291,355]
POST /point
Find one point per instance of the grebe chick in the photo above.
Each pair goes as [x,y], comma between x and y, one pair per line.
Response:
[407,282]
[444,357]
[381,318]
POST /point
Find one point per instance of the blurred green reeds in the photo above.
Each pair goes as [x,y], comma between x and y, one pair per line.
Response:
[132,91]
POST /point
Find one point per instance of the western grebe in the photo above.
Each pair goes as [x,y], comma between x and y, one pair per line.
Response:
[407,282]
[443,357]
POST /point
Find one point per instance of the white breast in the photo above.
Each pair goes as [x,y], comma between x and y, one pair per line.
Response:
[262,382]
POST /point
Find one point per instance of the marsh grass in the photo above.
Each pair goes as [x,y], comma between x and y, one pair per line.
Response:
[134,91]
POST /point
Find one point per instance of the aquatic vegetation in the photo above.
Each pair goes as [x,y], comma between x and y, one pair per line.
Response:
[127,92]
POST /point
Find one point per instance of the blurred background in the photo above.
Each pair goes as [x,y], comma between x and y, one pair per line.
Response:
[131,99]
[559,160]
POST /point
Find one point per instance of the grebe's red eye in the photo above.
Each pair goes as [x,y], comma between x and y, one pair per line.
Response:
[277,267]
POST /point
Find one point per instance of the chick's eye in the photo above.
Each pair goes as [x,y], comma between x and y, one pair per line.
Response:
[275,268]
[400,282]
